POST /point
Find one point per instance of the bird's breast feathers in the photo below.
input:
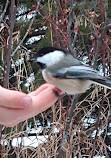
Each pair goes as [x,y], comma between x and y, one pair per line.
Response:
[70,86]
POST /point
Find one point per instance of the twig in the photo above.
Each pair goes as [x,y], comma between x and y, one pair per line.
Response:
[8,53]
[9,49]
[71,18]
[26,34]
[98,123]
[18,47]
[68,120]
[4,11]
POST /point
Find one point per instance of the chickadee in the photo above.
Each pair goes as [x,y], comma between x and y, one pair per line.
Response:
[67,73]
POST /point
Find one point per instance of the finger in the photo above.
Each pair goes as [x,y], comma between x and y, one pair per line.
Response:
[39,89]
[41,102]
[14,99]
[12,116]
[44,99]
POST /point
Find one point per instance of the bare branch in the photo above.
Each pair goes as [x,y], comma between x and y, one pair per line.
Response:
[26,34]
[4,11]
[9,48]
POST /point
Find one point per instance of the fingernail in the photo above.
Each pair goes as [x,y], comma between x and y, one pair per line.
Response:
[27,101]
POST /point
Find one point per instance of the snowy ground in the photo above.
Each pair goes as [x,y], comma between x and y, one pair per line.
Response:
[33,141]
[30,141]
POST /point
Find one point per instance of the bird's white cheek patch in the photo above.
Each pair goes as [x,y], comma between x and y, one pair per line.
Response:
[51,58]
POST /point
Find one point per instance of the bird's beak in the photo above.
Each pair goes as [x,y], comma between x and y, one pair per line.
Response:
[32,58]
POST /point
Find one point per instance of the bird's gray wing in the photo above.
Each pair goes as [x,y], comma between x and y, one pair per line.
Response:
[80,72]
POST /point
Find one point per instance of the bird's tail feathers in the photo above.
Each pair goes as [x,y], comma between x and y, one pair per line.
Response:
[104,83]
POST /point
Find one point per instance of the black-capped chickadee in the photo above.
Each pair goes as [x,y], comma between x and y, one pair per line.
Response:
[67,73]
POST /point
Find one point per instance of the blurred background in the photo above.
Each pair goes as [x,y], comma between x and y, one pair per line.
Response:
[76,126]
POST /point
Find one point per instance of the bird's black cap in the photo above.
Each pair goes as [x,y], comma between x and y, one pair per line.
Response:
[46,50]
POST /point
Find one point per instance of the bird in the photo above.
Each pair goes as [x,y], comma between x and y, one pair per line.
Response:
[67,73]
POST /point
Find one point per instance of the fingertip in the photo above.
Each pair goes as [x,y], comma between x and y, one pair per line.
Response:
[40,89]
[56,90]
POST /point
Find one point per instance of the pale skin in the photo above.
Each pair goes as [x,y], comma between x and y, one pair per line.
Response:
[17,106]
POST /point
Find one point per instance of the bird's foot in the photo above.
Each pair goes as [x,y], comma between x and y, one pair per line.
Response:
[59,96]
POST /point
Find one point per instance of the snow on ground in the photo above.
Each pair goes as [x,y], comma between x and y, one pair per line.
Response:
[30,141]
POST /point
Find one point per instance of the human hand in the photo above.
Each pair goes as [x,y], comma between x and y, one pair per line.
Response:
[16,106]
